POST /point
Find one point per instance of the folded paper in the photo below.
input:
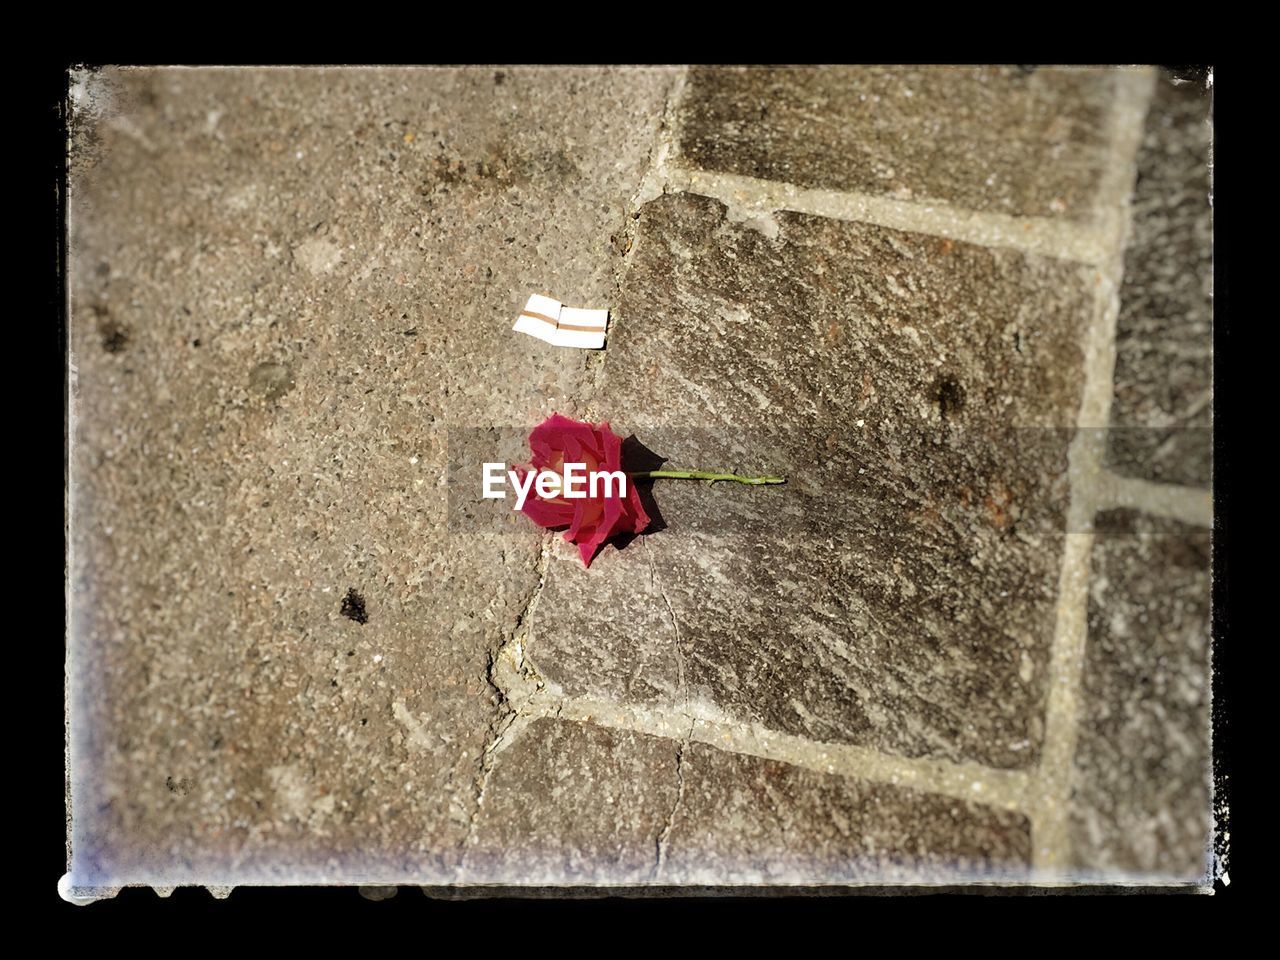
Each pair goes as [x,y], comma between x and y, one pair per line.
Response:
[552,322]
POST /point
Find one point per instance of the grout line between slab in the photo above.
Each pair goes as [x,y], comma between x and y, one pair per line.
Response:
[1191,505]
[755,201]
[1004,789]
[1050,789]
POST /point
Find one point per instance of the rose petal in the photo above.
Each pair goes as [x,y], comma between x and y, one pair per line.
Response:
[633,518]
[603,530]
[542,453]
[556,428]
[586,516]
[611,448]
[543,512]
[572,449]
[549,515]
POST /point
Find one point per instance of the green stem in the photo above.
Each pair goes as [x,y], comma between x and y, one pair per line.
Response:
[702,475]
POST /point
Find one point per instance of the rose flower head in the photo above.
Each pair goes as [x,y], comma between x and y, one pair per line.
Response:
[591,519]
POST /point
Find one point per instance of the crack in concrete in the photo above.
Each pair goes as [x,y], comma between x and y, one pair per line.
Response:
[654,173]
[660,843]
[664,835]
[682,683]
[516,683]
[521,691]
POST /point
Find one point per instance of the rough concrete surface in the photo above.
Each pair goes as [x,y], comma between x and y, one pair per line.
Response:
[283,285]
[302,649]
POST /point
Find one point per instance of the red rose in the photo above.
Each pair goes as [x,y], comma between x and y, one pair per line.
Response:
[591,520]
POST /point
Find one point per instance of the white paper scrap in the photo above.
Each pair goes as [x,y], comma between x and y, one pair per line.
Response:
[539,318]
[581,328]
[561,326]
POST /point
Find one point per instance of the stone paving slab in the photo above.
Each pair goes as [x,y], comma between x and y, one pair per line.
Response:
[1142,800]
[752,821]
[1015,140]
[873,368]
[1163,408]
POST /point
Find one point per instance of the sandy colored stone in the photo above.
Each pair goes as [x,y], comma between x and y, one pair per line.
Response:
[284,283]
